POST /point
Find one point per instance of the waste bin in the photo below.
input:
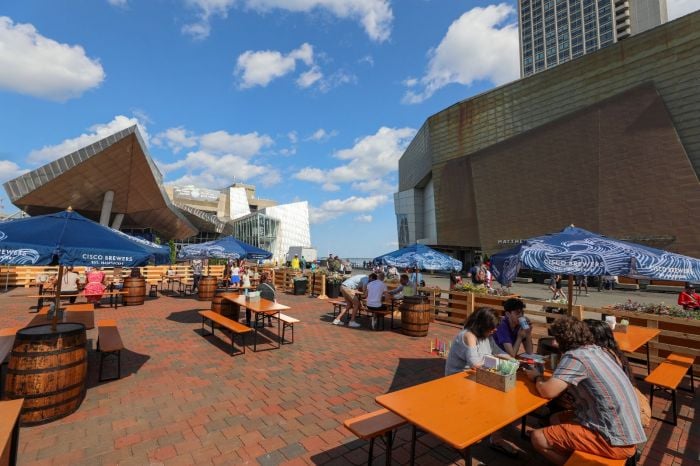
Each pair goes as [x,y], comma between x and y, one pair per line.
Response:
[300,285]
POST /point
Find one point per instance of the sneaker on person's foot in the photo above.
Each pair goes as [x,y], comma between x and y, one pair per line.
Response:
[336,322]
[354,324]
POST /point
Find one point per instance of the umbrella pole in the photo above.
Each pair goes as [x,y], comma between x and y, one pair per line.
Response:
[570,293]
[57,302]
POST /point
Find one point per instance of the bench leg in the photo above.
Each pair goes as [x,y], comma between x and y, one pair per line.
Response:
[371,451]
[413,445]
[104,356]
[675,411]
[389,443]
[652,389]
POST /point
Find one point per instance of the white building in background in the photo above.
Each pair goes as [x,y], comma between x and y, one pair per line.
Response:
[235,210]
[294,227]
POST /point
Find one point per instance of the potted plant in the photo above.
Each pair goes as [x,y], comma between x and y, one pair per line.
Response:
[333,282]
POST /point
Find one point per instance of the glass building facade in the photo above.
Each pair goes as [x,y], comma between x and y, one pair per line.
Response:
[257,229]
[556,31]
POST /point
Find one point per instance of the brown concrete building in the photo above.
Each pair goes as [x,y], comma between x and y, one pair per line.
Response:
[113,181]
[609,142]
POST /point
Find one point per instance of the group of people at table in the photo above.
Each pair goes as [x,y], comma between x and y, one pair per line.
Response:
[92,284]
[595,405]
[374,290]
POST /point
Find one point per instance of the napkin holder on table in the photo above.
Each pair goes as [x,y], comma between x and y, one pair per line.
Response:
[504,383]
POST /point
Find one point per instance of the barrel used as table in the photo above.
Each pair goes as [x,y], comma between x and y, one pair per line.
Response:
[48,368]
[415,316]
[136,291]
[225,307]
[206,288]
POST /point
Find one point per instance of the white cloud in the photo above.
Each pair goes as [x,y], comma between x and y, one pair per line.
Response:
[217,171]
[293,137]
[10,170]
[322,135]
[260,68]
[328,186]
[366,218]
[368,162]
[176,139]
[481,45]
[219,158]
[97,132]
[678,8]
[376,185]
[119,3]
[374,15]
[314,175]
[35,65]
[368,59]
[336,79]
[337,207]
[310,77]
[243,145]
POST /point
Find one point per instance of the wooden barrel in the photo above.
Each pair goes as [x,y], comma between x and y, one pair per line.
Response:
[415,316]
[206,288]
[48,369]
[225,307]
[136,288]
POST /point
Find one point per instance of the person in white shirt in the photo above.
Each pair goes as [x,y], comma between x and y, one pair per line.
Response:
[376,290]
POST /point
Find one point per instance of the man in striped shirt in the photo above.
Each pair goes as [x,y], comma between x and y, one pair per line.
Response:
[606,420]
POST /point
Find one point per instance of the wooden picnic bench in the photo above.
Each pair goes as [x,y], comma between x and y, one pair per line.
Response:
[378,424]
[109,343]
[9,431]
[667,376]
[288,321]
[7,340]
[113,297]
[579,458]
[234,328]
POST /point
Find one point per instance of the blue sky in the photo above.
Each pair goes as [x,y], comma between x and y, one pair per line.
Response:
[307,99]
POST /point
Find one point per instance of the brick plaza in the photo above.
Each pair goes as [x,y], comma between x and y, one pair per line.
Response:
[183,400]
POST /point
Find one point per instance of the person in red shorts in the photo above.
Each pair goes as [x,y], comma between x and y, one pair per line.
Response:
[605,420]
[689,299]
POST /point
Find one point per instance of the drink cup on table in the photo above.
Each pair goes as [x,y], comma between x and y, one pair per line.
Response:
[524,323]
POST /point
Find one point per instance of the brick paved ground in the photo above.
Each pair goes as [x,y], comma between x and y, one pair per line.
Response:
[183,400]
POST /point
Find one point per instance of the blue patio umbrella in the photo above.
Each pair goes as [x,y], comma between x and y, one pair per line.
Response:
[422,257]
[575,251]
[68,238]
[227,247]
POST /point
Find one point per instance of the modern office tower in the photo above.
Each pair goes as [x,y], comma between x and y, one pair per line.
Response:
[556,31]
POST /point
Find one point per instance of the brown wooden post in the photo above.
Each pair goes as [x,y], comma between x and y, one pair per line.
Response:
[323,287]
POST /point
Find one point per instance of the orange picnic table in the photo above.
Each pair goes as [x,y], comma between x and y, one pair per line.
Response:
[461,412]
[635,338]
[73,313]
[261,308]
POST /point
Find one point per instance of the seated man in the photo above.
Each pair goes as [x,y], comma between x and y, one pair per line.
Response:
[689,299]
[512,331]
[397,293]
[375,291]
[267,291]
[606,419]
[351,289]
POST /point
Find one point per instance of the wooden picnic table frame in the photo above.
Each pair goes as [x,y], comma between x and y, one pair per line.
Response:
[9,431]
[635,338]
[461,412]
[261,308]
[72,313]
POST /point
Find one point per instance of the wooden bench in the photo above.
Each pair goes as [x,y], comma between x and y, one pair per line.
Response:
[579,458]
[523,280]
[7,340]
[665,288]
[626,286]
[380,423]
[109,343]
[338,305]
[234,328]
[378,313]
[288,321]
[668,376]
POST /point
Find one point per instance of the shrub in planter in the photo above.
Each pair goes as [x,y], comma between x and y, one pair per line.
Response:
[333,285]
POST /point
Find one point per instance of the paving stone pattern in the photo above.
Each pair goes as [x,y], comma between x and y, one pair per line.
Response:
[183,400]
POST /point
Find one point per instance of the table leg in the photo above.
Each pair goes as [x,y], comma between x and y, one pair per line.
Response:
[648,360]
[255,329]
[413,445]
[14,449]
[467,455]
[279,330]
[523,422]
